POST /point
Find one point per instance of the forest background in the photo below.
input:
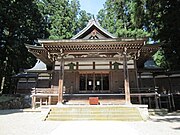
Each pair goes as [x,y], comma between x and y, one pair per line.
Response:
[24,21]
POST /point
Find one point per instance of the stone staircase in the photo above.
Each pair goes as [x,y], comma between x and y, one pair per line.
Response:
[94,112]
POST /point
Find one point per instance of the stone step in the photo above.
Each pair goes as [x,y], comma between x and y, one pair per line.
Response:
[93,109]
[94,113]
[95,117]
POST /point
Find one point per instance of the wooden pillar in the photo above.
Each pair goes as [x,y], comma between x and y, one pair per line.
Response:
[126,78]
[33,102]
[60,91]
[140,81]
[156,93]
[50,79]
[170,94]
[61,78]
[94,65]
[41,101]
[137,81]
[170,85]
[110,65]
[77,65]
[49,100]
[154,81]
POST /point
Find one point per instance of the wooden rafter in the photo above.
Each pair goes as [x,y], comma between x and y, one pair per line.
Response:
[40,53]
[93,46]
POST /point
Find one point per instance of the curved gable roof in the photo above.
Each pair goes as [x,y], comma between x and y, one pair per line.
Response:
[39,66]
[93,24]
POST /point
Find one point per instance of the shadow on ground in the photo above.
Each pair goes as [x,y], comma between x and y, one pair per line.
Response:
[10,111]
[170,117]
[174,119]
[177,128]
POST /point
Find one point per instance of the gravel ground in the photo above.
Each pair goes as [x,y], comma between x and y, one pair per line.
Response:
[17,122]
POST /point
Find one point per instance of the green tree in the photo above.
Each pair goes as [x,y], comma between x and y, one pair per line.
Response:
[169,34]
[160,59]
[163,20]
[124,18]
[83,19]
[158,19]
[20,22]
[62,16]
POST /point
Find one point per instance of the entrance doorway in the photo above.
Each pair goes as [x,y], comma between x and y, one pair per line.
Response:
[94,82]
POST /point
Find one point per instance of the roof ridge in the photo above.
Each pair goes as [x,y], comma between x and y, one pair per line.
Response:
[96,23]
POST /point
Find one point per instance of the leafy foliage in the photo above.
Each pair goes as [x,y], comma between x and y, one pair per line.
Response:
[23,21]
[20,22]
[124,18]
[159,19]
[83,19]
[65,18]
[164,18]
[160,59]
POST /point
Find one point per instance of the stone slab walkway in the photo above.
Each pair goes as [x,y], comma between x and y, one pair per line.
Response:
[18,122]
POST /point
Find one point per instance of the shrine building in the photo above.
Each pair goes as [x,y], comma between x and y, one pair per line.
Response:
[94,63]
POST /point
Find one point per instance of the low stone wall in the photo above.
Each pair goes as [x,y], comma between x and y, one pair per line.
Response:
[16,102]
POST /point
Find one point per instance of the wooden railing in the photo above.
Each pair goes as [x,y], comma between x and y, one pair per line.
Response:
[43,96]
[45,90]
[140,90]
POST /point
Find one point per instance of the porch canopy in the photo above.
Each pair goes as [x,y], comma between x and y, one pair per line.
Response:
[96,49]
[79,47]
